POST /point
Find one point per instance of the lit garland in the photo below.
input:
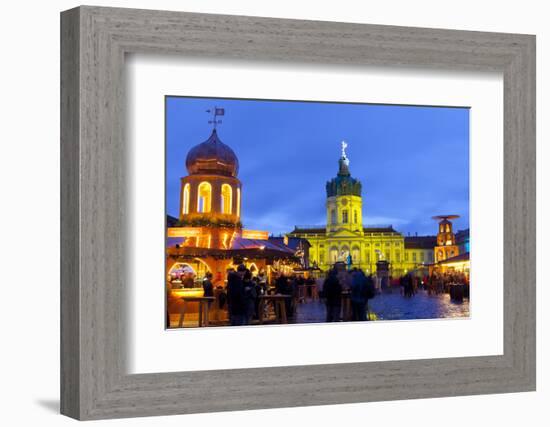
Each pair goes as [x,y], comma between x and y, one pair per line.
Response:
[207,222]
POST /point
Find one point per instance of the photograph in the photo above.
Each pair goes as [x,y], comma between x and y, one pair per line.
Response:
[292,212]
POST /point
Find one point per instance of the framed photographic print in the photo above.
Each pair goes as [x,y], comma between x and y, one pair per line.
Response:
[315,212]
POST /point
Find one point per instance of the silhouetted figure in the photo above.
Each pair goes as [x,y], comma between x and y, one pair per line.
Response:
[207,286]
[235,296]
[249,288]
[332,291]
[407,284]
[358,296]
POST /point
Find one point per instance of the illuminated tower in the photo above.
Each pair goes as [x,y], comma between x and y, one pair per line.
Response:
[446,242]
[344,203]
[210,198]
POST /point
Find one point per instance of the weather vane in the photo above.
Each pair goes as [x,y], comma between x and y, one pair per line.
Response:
[215,113]
[344,146]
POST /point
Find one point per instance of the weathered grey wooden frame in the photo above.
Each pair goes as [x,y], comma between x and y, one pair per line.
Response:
[94,41]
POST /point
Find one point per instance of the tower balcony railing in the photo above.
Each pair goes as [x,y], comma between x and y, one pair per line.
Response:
[377,225]
[317,226]
[310,226]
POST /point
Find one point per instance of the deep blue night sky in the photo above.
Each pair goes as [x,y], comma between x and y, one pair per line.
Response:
[413,161]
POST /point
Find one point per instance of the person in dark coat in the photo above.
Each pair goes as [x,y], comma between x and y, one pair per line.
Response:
[281,285]
[332,291]
[249,289]
[207,286]
[235,296]
[359,296]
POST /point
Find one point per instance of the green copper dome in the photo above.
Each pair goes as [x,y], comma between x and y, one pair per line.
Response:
[343,184]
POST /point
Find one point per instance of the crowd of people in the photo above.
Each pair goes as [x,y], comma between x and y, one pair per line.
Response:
[439,283]
[353,284]
[243,291]
[435,284]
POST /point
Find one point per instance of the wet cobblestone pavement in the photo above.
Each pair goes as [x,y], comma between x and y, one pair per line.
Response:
[395,306]
[420,306]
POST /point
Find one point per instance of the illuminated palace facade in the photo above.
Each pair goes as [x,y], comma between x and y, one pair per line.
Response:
[345,235]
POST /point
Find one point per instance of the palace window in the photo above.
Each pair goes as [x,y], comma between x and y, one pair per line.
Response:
[238,202]
[333,254]
[226,198]
[355,217]
[355,255]
[345,216]
[406,256]
[414,256]
[204,197]
[397,256]
[333,216]
[186,191]
[422,256]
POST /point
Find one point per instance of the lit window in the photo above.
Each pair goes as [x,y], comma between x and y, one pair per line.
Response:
[238,202]
[226,198]
[204,197]
[186,190]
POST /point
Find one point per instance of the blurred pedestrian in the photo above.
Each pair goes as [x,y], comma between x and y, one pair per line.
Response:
[358,295]
[249,289]
[332,291]
[235,296]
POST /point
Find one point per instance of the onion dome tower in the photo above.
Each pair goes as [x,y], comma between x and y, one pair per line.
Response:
[210,195]
[212,157]
[344,201]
